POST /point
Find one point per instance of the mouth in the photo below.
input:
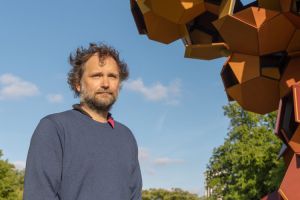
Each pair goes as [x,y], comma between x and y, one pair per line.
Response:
[104,93]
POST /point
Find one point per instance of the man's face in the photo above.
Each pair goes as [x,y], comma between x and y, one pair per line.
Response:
[100,83]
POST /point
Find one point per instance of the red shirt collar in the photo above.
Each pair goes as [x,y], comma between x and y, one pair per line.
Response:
[110,119]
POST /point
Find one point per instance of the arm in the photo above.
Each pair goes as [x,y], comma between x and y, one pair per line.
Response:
[44,163]
[136,181]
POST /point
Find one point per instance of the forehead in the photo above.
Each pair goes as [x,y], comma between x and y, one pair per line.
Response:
[96,64]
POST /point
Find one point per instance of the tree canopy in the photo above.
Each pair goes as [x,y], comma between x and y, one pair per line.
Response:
[11,181]
[246,166]
[174,194]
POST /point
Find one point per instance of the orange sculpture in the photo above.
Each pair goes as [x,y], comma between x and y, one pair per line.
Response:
[262,43]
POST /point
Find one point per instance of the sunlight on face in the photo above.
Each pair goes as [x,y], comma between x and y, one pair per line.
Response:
[100,83]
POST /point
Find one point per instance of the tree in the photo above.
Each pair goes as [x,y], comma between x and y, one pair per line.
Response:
[174,194]
[246,166]
[11,181]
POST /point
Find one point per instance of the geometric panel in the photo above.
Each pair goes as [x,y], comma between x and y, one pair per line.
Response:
[295,19]
[218,23]
[296,94]
[294,44]
[251,31]
[200,37]
[206,51]
[226,8]
[259,95]
[269,4]
[176,11]
[160,29]
[228,77]
[286,5]
[211,7]
[290,76]
[138,17]
[271,72]
[289,188]
[294,143]
[245,67]
[256,16]
[287,156]
[286,126]
[235,93]
[278,29]
[272,65]
[203,22]
[280,113]
[241,37]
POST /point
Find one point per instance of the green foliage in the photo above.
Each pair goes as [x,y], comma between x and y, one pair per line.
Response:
[246,165]
[11,181]
[174,194]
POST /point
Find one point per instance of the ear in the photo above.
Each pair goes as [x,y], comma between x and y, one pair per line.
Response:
[78,88]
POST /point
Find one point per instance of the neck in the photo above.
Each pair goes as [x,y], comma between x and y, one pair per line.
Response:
[100,116]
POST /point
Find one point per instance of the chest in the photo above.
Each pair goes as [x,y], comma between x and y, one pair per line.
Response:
[96,151]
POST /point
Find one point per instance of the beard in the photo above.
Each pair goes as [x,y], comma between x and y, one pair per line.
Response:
[96,102]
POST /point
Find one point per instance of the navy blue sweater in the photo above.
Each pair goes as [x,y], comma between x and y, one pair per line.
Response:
[73,157]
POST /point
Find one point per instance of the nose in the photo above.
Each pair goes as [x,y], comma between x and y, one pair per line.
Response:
[105,82]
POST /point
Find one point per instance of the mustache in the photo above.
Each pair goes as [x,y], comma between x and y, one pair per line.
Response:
[103,91]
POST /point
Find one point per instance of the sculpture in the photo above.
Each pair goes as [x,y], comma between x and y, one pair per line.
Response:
[262,43]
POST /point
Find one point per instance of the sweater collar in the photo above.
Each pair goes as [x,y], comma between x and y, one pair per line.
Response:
[110,119]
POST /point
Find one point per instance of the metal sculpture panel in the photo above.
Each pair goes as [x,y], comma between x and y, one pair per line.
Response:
[262,43]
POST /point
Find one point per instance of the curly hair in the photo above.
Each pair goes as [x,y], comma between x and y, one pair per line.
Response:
[81,56]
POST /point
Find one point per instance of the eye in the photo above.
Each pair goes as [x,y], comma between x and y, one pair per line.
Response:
[96,76]
[113,76]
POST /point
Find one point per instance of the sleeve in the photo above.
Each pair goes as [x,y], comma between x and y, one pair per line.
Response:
[136,181]
[44,163]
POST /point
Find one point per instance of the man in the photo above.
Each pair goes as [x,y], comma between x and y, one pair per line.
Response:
[83,154]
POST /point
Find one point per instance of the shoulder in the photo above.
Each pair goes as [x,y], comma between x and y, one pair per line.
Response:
[69,114]
[49,131]
[63,119]
[120,126]
[53,123]
[125,131]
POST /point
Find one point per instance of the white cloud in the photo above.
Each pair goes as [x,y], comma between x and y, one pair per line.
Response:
[13,87]
[166,161]
[156,92]
[55,98]
[19,165]
[149,163]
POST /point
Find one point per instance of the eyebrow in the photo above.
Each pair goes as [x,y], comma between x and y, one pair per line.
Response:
[98,73]
[95,73]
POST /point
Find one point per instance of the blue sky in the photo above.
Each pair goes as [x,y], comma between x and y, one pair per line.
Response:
[172,104]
